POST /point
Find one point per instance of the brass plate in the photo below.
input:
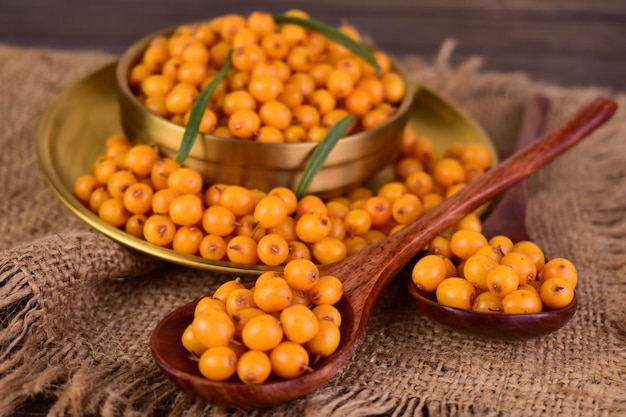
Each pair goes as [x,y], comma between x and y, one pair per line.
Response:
[73,130]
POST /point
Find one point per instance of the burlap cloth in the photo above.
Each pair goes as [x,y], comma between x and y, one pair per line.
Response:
[77,309]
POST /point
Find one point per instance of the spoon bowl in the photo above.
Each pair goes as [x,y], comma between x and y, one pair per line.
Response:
[497,326]
[365,275]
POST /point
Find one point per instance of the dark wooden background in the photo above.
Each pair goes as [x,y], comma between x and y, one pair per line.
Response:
[569,42]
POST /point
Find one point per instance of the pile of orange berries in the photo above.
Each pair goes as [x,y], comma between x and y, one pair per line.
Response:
[274,327]
[153,198]
[466,270]
[286,84]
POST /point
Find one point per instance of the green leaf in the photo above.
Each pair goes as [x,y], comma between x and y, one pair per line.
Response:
[197,111]
[321,152]
[331,33]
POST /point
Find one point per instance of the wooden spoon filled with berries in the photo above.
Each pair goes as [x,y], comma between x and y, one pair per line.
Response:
[365,276]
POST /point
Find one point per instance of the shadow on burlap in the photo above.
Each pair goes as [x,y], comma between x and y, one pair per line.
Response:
[76,309]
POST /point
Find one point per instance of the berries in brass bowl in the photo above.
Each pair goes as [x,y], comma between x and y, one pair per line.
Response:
[286,87]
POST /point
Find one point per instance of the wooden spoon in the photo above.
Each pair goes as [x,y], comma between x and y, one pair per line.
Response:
[367,274]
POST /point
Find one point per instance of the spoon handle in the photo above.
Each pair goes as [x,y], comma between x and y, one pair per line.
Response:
[509,213]
[370,271]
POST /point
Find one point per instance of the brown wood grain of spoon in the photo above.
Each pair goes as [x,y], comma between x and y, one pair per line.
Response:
[367,274]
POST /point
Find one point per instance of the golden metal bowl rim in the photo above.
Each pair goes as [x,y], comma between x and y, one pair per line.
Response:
[131,54]
[100,81]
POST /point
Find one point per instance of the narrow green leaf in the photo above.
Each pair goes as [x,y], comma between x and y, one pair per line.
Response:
[331,33]
[321,152]
[197,111]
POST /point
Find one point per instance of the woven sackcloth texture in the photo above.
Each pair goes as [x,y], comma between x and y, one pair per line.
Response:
[77,309]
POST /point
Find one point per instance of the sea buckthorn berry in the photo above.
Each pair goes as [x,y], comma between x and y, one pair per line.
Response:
[301,274]
[244,124]
[354,244]
[339,83]
[329,250]
[310,204]
[327,290]
[242,250]
[160,170]
[222,292]
[419,183]
[119,182]
[288,197]
[300,58]
[494,252]
[270,211]
[238,300]
[138,198]
[248,226]
[476,154]
[323,101]
[560,268]
[487,302]
[373,86]
[357,222]
[265,88]
[501,280]
[113,212]
[273,295]
[270,134]
[295,134]
[209,302]
[272,249]
[185,181]
[326,341]
[522,301]
[243,316]
[84,186]
[190,343]
[187,240]
[328,312]
[261,23]
[394,87]
[246,57]
[159,229]
[476,268]
[375,117]
[212,247]
[448,172]
[218,220]
[213,328]
[276,114]
[289,360]
[254,367]
[428,272]
[464,243]
[299,323]
[469,222]
[181,98]
[262,332]
[312,227]
[556,292]
[237,199]
[523,265]
[244,37]
[456,292]
[238,100]
[218,363]
[298,250]
[213,194]
[134,225]
[275,45]
[186,210]
[156,85]
[440,245]
[137,74]
[504,243]
[533,251]
[406,208]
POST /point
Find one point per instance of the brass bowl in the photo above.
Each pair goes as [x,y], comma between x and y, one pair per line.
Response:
[354,159]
